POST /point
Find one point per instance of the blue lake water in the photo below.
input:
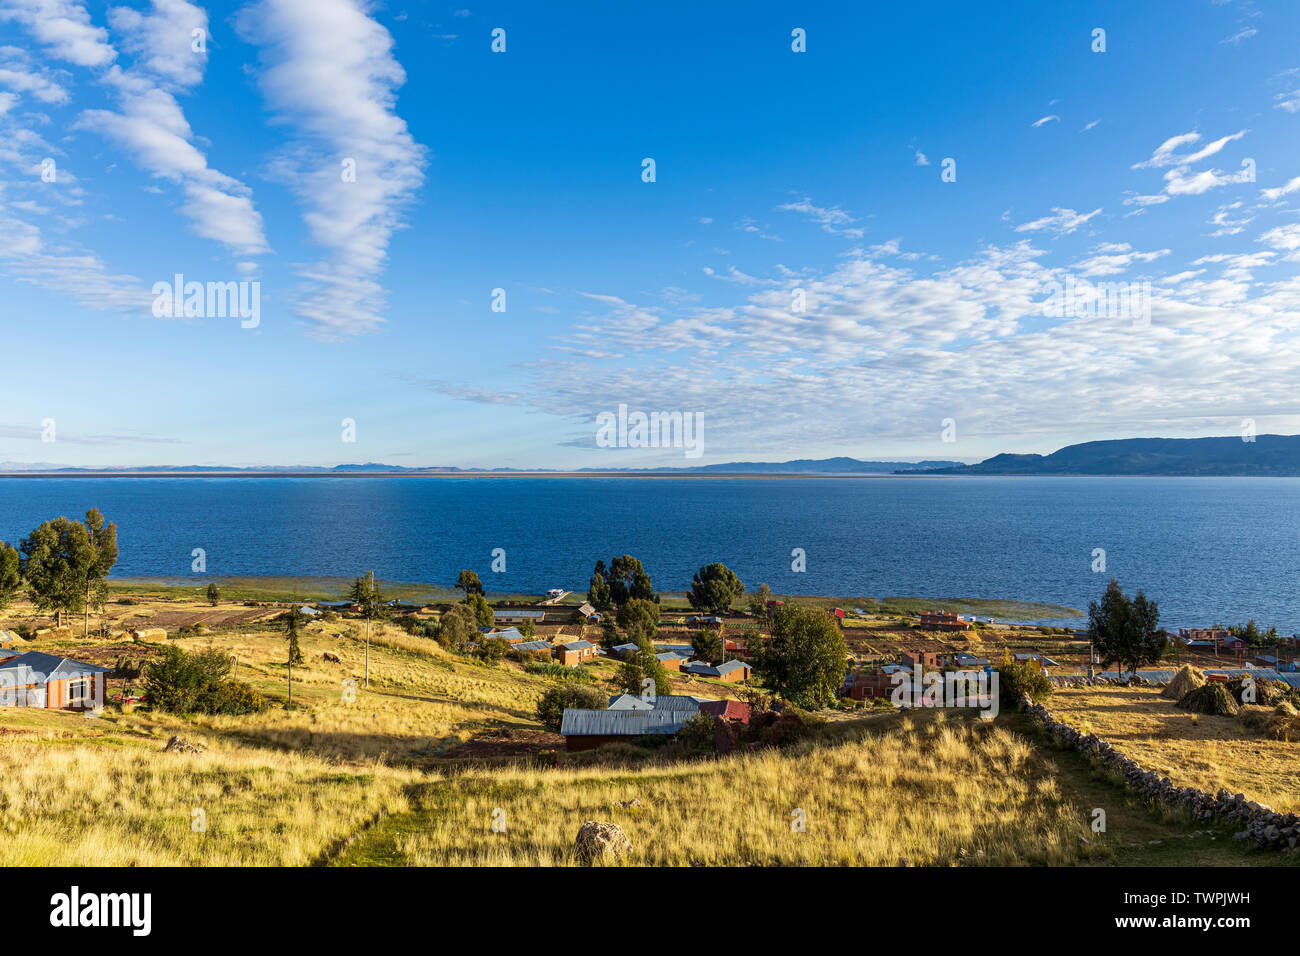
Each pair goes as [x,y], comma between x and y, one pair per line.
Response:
[1207,549]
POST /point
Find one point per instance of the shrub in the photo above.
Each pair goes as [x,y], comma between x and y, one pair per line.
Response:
[557,671]
[188,683]
[698,734]
[550,709]
[1018,679]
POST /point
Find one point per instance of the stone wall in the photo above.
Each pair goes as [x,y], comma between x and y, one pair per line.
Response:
[1264,826]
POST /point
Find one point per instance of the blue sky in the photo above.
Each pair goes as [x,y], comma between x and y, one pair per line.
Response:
[1166,164]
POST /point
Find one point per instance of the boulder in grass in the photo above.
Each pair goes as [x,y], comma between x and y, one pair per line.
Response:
[1185,681]
[601,842]
[1214,699]
[179,745]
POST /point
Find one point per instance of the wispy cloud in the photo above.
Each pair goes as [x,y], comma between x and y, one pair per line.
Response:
[1045,120]
[329,74]
[1061,222]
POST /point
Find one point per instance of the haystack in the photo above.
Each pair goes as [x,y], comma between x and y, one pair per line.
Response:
[1185,681]
[1281,722]
[1214,699]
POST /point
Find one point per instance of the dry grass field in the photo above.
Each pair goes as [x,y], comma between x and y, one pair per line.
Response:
[1191,749]
[921,791]
[410,771]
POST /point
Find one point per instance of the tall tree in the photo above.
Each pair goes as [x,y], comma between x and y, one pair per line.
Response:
[457,627]
[365,594]
[805,658]
[639,619]
[101,555]
[628,580]
[469,583]
[11,576]
[292,621]
[55,558]
[214,594]
[484,616]
[714,588]
[758,601]
[708,645]
[642,665]
[598,590]
[1126,631]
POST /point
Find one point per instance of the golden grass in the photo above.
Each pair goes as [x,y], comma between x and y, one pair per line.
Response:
[1197,750]
[919,792]
[75,803]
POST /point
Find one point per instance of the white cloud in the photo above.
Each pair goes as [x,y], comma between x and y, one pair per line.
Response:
[832,219]
[1243,34]
[1045,120]
[329,74]
[63,27]
[1272,195]
[1167,153]
[1062,222]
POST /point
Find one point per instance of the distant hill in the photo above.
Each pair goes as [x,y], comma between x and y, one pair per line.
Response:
[802,466]
[1266,456]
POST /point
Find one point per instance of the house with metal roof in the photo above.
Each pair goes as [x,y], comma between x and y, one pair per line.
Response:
[730,671]
[588,613]
[42,680]
[7,652]
[575,652]
[589,729]
[627,701]
[534,646]
[622,650]
[518,615]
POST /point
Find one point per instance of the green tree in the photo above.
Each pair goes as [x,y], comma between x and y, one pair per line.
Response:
[457,627]
[365,594]
[639,618]
[628,580]
[214,594]
[11,576]
[100,556]
[528,630]
[1126,631]
[598,594]
[758,601]
[484,616]
[469,583]
[708,645]
[292,622]
[550,709]
[642,665]
[805,658]
[55,563]
[714,588]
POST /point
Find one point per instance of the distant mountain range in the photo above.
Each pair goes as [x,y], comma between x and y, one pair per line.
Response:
[1266,456]
[803,466]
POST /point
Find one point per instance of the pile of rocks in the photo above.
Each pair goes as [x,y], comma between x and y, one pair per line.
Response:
[1265,826]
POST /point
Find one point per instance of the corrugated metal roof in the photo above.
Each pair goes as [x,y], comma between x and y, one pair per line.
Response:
[629,702]
[577,645]
[533,646]
[623,723]
[36,668]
